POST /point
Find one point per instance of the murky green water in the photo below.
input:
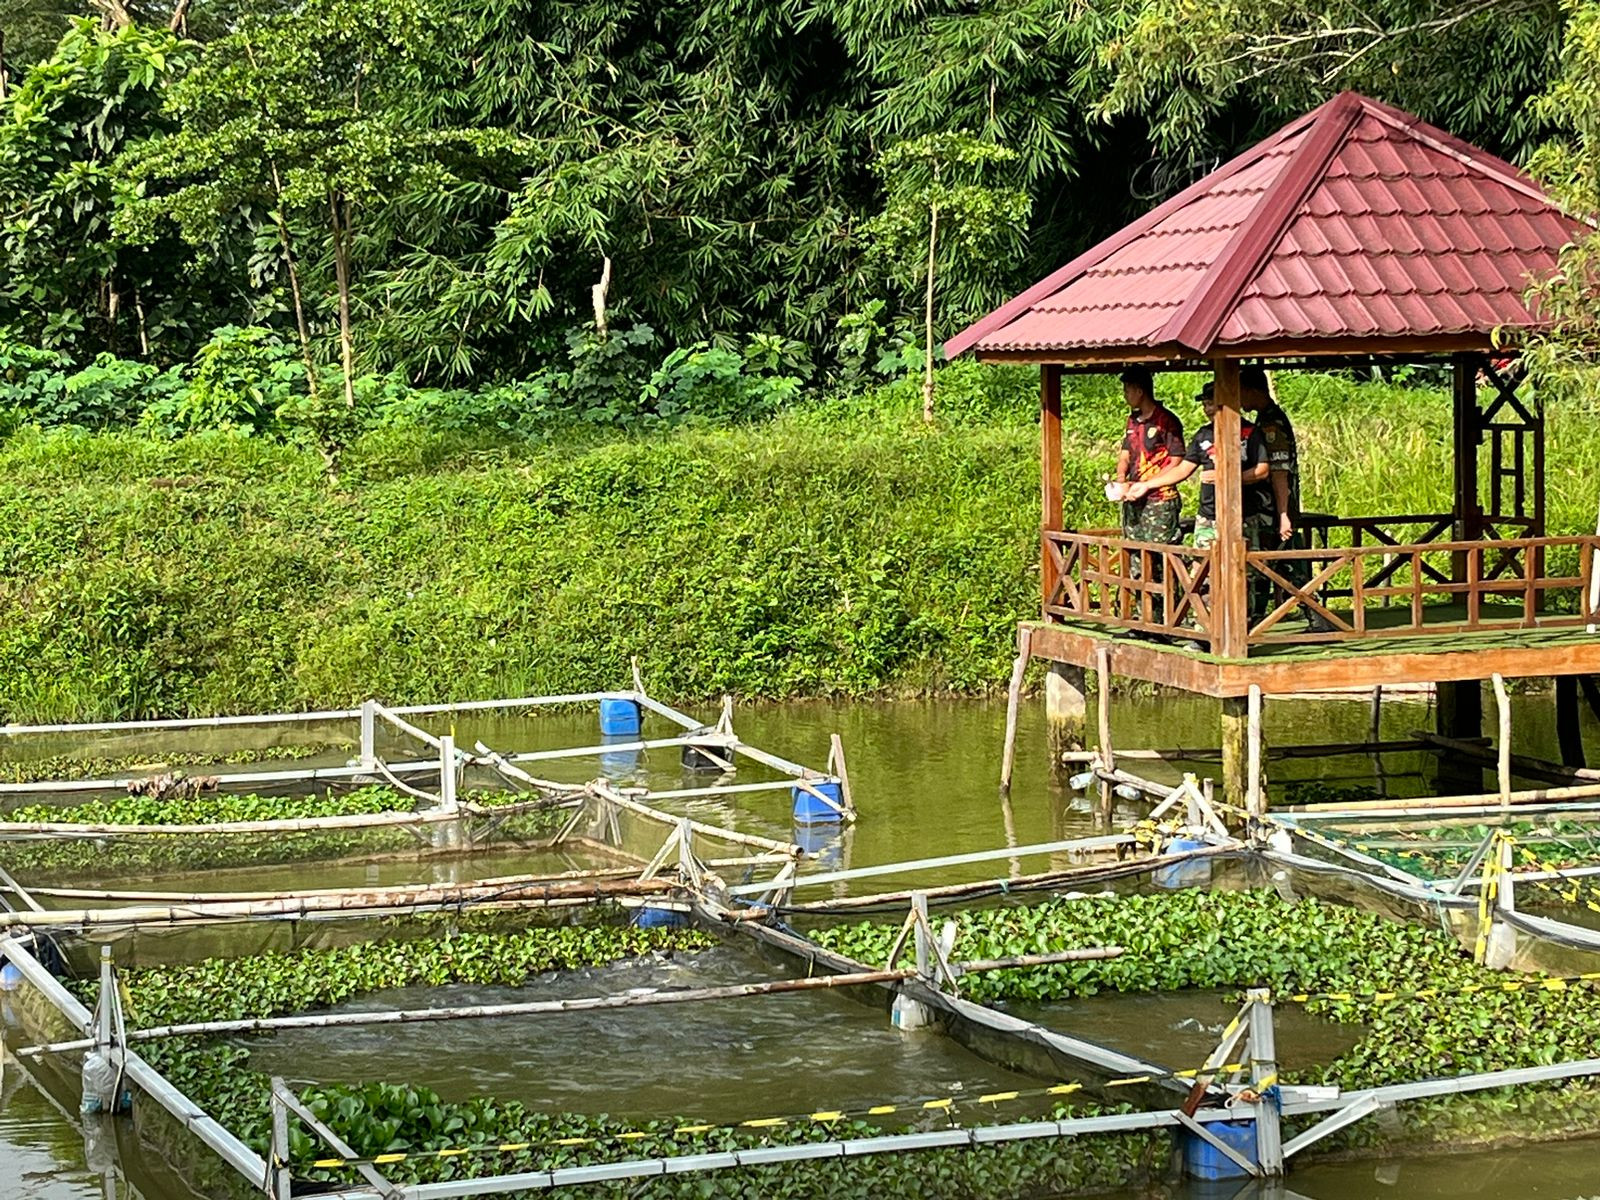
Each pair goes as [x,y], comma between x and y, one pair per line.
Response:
[924,775]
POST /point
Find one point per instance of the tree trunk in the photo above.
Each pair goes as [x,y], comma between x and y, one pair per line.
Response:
[180,18]
[598,295]
[927,369]
[341,270]
[144,333]
[294,284]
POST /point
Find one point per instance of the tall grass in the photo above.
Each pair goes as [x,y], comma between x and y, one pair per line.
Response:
[837,549]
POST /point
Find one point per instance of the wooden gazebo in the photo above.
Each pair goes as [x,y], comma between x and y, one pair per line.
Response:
[1357,234]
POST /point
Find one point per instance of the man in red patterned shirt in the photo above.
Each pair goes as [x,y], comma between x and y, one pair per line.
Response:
[1151,443]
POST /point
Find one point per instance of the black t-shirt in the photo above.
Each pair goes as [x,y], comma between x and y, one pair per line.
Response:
[1256,497]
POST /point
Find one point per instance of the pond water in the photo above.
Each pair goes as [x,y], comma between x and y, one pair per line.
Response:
[924,776]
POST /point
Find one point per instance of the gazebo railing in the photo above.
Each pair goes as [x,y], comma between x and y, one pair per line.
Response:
[1420,588]
[1374,587]
[1151,587]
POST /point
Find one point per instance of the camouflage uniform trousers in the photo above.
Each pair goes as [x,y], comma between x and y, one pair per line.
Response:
[1257,533]
[1150,520]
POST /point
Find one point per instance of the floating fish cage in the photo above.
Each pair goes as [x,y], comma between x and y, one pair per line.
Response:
[502,914]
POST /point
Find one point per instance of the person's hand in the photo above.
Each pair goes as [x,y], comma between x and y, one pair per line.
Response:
[1135,490]
[1285,527]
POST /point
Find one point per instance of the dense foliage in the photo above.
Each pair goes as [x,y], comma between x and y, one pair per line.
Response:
[1201,939]
[461,190]
[839,548]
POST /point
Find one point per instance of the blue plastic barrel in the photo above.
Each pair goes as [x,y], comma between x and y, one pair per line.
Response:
[660,918]
[1202,1160]
[619,718]
[1186,874]
[810,810]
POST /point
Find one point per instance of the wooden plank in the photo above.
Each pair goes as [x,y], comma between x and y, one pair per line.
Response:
[1287,675]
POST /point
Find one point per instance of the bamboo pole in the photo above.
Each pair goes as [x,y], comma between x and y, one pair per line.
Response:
[1013,702]
[528,1008]
[1255,799]
[1043,879]
[1108,756]
[1269,753]
[340,902]
[29,830]
[1105,843]
[107,894]
[227,779]
[406,726]
[1503,704]
[837,764]
[607,792]
[1427,803]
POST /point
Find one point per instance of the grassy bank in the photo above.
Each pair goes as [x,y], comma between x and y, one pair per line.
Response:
[840,548]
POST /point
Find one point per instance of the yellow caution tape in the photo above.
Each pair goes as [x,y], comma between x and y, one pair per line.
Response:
[1537,984]
[937,1104]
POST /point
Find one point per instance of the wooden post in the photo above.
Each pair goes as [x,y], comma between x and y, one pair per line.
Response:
[1066,710]
[1229,609]
[1049,471]
[1235,740]
[1108,756]
[1468,516]
[1013,703]
[369,721]
[1569,734]
[1255,793]
[1458,713]
[840,768]
[1503,706]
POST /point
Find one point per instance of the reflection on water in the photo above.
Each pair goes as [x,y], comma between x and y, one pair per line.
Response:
[924,777]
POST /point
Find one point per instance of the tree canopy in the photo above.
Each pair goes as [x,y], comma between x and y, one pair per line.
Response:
[455,191]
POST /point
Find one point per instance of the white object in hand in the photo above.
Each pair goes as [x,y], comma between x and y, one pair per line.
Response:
[1115,491]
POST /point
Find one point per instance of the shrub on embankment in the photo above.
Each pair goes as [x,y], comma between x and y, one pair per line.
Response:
[839,548]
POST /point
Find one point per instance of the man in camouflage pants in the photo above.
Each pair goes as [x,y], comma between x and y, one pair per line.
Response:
[1283,458]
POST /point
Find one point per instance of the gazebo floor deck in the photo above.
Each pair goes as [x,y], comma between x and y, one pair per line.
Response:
[1438,652]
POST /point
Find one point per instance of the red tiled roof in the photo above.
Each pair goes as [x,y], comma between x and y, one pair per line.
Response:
[1356,222]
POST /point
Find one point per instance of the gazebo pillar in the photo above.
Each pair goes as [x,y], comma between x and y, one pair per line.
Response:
[1230,621]
[1065,706]
[1230,618]
[1458,708]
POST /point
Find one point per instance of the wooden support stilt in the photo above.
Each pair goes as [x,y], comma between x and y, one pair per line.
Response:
[1235,752]
[1503,706]
[1459,714]
[837,766]
[1108,756]
[1013,704]
[1569,734]
[1255,789]
[1066,710]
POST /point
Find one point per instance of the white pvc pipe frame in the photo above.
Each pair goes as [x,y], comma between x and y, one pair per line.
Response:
[701,735]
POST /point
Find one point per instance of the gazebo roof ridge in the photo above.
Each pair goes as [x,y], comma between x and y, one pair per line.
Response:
[1356,227]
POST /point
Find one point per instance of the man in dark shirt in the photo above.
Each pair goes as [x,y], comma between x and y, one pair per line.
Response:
[1283,460]
[1257,514]
[1152,441]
